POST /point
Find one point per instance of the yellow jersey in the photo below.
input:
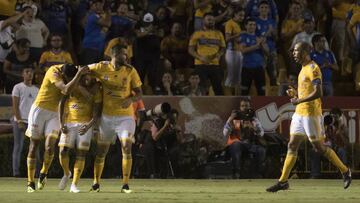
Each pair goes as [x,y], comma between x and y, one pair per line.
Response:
[232,28]
[49,58]
[200,12]
[292,26]
[7,7]
[117,86]
[309,75]
[49,95]
[115,41]
[340,11]
[207,42]
[79,109]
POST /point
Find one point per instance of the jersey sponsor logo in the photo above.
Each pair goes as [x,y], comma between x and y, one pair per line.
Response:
[204,41]
[75,106]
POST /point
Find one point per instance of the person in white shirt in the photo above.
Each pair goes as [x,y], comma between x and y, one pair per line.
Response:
[8,28]
[23,96]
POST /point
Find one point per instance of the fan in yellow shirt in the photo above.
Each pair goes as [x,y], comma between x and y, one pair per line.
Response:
[307,120]
[79,111]
[43,116]
[56,54]
[121,87]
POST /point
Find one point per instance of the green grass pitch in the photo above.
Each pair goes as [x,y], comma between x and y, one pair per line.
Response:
[180,190]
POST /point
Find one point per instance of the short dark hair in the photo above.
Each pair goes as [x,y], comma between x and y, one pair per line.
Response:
[304,46]
[247,20]
[69,70]
[117,48]
[208,14]
[316,38]
[22,42]
[195,73]
[264,2]
[245,99]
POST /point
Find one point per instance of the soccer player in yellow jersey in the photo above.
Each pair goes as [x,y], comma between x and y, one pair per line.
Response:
[307,119]
[121,87]
[43,120]
[78,112]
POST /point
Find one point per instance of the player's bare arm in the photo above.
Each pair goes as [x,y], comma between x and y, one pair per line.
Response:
[317,93]
[67,88]
[62,114]
[132,98]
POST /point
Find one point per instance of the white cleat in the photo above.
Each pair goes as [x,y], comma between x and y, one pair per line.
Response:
[74,189]
[63,182]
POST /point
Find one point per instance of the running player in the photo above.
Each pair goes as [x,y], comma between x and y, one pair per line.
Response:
[78,114]
[43,118]
[121,87]
[307,120]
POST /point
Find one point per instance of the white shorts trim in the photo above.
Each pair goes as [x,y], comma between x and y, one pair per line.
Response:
[311,126]
[42,123]
[111,127]
[73,137]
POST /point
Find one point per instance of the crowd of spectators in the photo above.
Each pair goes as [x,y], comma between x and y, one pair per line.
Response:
[184,47]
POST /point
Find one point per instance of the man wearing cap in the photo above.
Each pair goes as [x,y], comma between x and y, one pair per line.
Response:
[147,50]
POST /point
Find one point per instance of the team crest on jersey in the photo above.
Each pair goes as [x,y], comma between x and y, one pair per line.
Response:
[75,106]
[247,40]
[106,77]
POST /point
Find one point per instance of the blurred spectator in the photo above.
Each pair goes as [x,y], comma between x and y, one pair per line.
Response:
[201,8]
[353,30]
[244,134]
[167,86]
[252,9]
[136,8]
[121,25]
[222,11]
[57,17]
[8,29]
[207,46]
[55,53]
[253,49]
[326,61]
[35,30]
[118,41]
[194,88]
[174,48]
[23,96]
[336,137]
[181,11]
[147,50]
[163,21]
[233,56]
[97,24]
[306,12]
[180,83]
[267,28]
[16,61]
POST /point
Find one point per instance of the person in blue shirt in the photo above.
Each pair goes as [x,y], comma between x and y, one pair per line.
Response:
[97,24]
[326,61]
[253,49]
[266,27]
[252,9]
[121,25]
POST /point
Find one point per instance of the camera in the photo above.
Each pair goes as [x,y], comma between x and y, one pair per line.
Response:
[246,115]
[160,110]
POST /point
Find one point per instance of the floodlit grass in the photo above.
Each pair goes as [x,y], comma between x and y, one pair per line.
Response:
[179,190]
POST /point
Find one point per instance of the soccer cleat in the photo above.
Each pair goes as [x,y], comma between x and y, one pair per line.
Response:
[278,186]
[64,180]
[95,188]
[42,180]
[31,187]
[125,189]
[74,189]
[347,178]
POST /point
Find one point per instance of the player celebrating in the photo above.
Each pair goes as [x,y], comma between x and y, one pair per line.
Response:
[78,113]
[307,120]
[43,117]
[121,87]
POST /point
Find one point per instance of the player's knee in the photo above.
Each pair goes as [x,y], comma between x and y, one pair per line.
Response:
[81,153]
[49,150]
[292,146]
[126,148]
[64,151]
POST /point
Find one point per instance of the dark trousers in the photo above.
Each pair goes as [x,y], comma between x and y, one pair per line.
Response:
[316,160]
[149,67]
[213,73]
[256,152]
[253,74]
[156,158]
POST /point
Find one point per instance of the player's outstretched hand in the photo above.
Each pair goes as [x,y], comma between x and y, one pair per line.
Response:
[291,92]
[295,101]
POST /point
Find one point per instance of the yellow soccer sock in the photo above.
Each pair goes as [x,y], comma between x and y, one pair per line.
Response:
[64,162]
[98,168]
[290,161]
[126,167]
[334,159]
[78,169]
[47,162]
[31,165]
